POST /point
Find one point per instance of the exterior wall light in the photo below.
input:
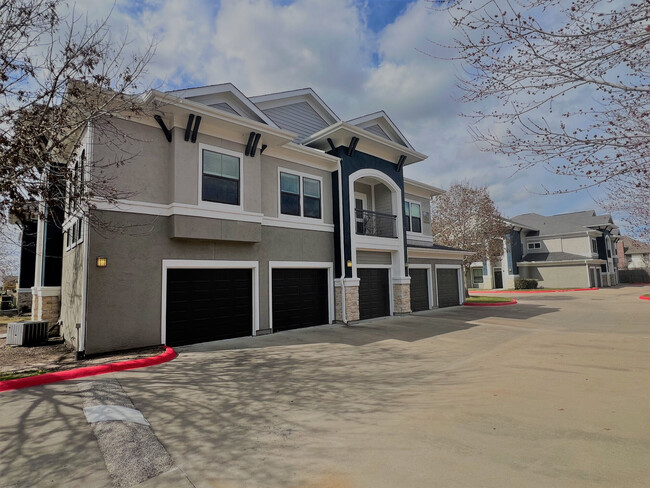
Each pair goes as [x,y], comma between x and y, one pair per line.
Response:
[102,262]
[349,263]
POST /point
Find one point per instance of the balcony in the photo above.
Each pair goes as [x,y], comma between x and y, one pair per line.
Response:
[375,224]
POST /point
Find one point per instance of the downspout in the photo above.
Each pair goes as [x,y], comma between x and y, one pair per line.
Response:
[342,239]
[81,334]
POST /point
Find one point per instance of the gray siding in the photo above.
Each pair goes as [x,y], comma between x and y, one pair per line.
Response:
[370,257]
[383,203]
[366,190]
[225,107]
[297,117]
[124,299]
[378,131]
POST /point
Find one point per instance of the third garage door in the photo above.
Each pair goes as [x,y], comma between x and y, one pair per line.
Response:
[448,287]
[419,290]
[374,296]
[300,298]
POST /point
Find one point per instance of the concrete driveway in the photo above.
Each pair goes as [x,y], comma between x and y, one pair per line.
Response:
[552,392]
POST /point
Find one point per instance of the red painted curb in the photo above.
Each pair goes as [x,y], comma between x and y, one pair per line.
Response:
[490,304]
[532,291]
[72,374]
[644,298]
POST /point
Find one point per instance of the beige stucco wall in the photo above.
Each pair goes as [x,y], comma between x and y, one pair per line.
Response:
[71,292]
[557,276]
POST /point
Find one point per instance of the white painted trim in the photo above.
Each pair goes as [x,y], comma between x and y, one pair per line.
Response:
[461,287]
[300,218]
[373,266]
[420,252]
[414,236]
[209,264]
[242,187]
[419,204]
[380,116]
[428,267]
[363,197]
[426,191]
[24,290]
[46,291]
[307,156]
[329,266]
[528,244]
[291,224]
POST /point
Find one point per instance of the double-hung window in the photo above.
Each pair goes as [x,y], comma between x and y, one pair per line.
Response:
[534,245]
[300,196]
[412,217]
[221,178]
[477,275]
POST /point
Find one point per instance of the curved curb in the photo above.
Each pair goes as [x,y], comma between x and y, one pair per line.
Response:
[644,298]
[533,291]
[497,304]
[72,374]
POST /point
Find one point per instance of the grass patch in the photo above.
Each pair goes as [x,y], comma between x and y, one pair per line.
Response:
[484,299]
[647,296]
[22,374]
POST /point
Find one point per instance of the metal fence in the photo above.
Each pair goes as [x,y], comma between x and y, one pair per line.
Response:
[375,224]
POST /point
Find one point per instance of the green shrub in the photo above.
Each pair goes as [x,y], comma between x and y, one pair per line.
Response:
[525,284]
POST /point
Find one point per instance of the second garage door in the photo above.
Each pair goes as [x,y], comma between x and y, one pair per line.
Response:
[374,295]
[300,298]
[208,304]
[419,290]
[447,287]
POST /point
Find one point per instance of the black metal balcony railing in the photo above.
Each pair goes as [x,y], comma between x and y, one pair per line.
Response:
[375,224]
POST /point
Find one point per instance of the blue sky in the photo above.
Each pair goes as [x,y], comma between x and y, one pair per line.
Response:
[359,56]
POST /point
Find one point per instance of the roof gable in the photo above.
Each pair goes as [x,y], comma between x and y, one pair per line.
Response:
[379,123]
[225,97]
[291,97]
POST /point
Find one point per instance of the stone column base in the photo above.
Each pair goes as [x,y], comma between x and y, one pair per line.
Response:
[351,300]
[401,298]
[46,303]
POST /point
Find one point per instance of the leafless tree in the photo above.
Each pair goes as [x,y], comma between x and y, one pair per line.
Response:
[59,73]
[465,217]
[569,86]
[9,251]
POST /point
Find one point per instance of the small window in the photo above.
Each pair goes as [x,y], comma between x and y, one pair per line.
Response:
[220,178]
[534,245]
[477,275]
[594,246]
[412,217]
[300,196]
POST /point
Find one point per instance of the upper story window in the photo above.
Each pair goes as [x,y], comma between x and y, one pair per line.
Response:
[412,217]
[534,245]
[221,178]
[594,246]
[300,195]
[477,275]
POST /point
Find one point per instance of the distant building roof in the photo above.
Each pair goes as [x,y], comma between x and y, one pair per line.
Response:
[552,257]
[632,246]
[568,223]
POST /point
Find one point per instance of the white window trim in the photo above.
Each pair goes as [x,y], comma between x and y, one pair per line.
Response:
[428,267]
[301,217]
[419,204]
[226,207]
[209,264]
[69,225]
[591,243]
[307,265]
[461,287]
[471,272]
[532,243]
[363,197]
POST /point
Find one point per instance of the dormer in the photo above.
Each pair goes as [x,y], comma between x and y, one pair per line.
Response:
[225,97]
[301,111]
[379,123]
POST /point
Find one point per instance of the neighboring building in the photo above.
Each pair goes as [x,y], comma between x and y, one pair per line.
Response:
[559,251]
[248,216]
[10,283]
[633,254]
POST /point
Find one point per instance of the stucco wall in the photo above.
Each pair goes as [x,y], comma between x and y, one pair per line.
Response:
[71,292]
[557,276]
[432,263]
[124,299]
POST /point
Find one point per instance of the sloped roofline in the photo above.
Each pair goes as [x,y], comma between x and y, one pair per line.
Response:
[296,93]
[423,186]
[223,88]
[380,115]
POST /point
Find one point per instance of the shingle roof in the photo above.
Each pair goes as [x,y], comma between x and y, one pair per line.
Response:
[632,246]
[563,223]
[552,256]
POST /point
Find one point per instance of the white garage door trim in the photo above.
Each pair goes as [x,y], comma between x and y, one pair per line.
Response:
[209,264]
[308,265]
[457,267]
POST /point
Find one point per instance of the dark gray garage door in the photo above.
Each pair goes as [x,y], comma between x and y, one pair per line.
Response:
[208,304]
[374,296]
[448,288]
[419,290]
[299,298]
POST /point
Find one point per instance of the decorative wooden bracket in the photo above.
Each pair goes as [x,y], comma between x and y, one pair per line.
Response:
[161,123]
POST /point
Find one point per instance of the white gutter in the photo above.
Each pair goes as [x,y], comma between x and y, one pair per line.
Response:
[81,341]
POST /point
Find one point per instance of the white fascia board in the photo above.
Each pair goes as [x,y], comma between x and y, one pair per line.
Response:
[345,131]
[561,263]
[421,189]
[420,252]
[379,116]
[303,155]
[223,88]
[302,92]
[280,135]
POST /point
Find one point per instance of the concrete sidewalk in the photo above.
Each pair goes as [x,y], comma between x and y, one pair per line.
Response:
[550,392]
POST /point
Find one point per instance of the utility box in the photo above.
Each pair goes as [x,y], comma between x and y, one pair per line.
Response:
[27,333]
